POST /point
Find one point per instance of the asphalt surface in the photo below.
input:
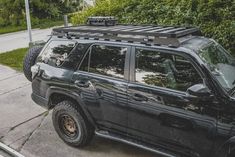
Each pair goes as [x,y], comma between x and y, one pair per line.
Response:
[27,128]
[20,39]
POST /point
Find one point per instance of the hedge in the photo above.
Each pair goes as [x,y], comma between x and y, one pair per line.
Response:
[216,18]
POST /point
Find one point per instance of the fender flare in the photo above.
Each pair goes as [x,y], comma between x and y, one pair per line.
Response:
[75,96]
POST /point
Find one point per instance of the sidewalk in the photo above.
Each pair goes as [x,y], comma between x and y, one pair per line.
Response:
[18,114]
[16,40]
[20,39]
[27,128]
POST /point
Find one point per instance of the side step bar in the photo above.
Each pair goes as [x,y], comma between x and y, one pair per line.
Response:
[9,151]
[105,134]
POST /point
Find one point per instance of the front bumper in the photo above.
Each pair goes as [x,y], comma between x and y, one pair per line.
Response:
[40,100]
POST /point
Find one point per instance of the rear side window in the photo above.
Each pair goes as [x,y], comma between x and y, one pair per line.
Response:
[165,70]
[105,60]
[57,52]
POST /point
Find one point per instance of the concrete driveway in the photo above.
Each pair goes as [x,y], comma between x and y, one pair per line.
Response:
[28,128]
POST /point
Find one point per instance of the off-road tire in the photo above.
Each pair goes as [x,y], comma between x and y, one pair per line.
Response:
[29,61]
[86,129]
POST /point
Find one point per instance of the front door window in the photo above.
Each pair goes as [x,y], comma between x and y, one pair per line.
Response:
[165,70]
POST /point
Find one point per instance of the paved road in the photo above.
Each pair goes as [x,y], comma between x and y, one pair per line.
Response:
[28,128]
[20,39]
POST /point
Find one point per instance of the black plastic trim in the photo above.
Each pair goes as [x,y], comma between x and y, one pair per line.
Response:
[40,100]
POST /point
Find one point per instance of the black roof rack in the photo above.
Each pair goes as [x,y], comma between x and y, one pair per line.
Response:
[163,35]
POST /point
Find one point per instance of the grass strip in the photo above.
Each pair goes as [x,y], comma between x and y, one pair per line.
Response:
[42,25]
[14,59]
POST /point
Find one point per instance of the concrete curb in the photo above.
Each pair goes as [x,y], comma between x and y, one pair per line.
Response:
[10,151]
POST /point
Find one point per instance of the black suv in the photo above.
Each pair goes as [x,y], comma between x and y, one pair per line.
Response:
[165,89]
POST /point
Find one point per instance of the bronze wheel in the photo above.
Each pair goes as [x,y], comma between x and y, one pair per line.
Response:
[69,126]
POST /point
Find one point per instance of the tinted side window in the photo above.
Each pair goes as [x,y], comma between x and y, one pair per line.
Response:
[105,60]
[165,70]
[57,52]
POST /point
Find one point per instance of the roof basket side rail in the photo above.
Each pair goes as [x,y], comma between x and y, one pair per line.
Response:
[173,42]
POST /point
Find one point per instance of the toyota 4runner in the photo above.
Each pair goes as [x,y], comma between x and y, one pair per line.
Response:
[162,88]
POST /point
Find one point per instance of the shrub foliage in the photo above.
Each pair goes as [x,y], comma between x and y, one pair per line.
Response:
[216,18]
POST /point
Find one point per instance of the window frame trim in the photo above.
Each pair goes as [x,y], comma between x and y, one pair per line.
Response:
[172,52]
[126,64]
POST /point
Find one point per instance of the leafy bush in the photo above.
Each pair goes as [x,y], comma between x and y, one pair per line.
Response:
[216,18]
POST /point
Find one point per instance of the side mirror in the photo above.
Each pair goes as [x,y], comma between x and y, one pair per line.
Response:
[199,90]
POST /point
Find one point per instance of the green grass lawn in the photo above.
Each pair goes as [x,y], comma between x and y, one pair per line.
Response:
[14,59]
[42,25]
[10,29]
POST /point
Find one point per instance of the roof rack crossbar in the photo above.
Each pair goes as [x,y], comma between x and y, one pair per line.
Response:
[136,28]
[192,31]
[160,29]
[147,29]
[122,28]
[174,30]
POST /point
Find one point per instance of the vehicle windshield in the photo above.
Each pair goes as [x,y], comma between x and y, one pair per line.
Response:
[221,64]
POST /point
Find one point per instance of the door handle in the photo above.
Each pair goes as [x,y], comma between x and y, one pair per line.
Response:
[84,84]
[139,97]
[176,122]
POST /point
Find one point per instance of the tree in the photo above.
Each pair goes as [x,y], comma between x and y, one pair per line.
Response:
[13,11]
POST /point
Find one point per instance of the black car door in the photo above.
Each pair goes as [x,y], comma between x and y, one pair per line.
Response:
[102,85]
[159,109]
